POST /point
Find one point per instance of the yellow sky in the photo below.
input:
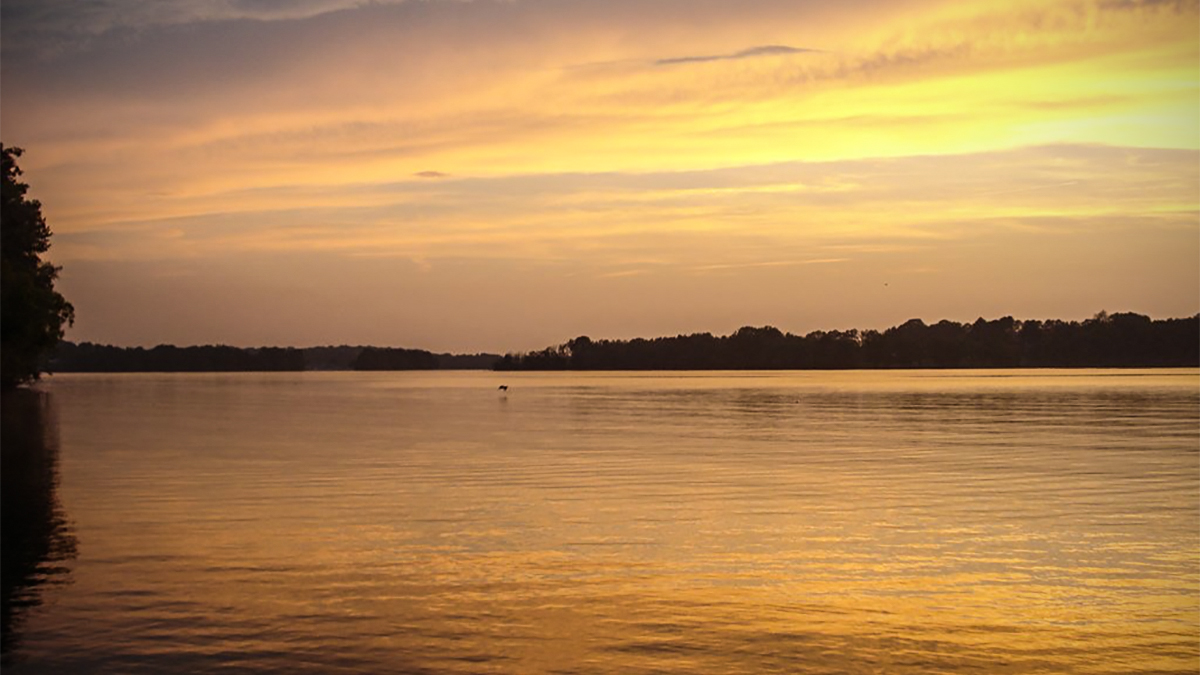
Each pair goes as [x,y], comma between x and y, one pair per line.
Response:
[506,175]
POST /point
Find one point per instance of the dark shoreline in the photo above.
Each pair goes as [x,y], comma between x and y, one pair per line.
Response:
[1123,340]
[1105,341]
[87,357]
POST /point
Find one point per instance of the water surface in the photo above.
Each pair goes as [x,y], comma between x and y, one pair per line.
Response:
[852,522]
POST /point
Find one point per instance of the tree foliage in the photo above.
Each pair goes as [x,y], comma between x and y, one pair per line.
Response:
[1104,341]
[32,313]
[86,357]
[385,358]
[92,358]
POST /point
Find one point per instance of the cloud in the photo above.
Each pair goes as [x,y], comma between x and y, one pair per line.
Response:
[764,50]
[195,130]
[737,217]
[312,132]
[769,263]
[49,27]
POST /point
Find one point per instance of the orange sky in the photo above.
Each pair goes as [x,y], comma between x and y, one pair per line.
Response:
[505,175]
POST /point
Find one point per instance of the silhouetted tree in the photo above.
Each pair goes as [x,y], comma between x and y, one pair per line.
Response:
[992,344]
[32,313]
[87,357]
[905,345]
[376,358]
[1116,340]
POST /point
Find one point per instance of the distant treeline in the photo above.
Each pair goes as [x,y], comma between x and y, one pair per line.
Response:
[87,357]
[374,358]
[1105,341]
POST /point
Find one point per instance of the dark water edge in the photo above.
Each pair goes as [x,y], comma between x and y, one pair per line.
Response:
[36,537]
[87,357]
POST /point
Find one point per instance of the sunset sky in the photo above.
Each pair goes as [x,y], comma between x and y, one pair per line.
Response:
[496,175]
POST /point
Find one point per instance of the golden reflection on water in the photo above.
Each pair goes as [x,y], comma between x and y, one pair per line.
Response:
[735,522]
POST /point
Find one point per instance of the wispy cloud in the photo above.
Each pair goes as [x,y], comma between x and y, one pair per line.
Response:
[734,217]
[764,50]
[50,27]
[768,263]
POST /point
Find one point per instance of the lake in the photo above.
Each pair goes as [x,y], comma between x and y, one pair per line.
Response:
[699,522]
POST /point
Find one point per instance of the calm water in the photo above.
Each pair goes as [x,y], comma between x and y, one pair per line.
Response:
[901,522]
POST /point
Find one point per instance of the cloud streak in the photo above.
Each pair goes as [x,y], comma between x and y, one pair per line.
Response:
[609,217]
[753,52]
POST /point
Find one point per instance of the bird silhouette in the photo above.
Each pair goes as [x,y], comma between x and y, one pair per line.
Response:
[503,387]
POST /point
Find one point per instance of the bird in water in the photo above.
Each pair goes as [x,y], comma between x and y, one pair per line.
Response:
[503,387]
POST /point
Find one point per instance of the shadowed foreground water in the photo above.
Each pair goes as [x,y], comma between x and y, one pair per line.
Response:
[898,522]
